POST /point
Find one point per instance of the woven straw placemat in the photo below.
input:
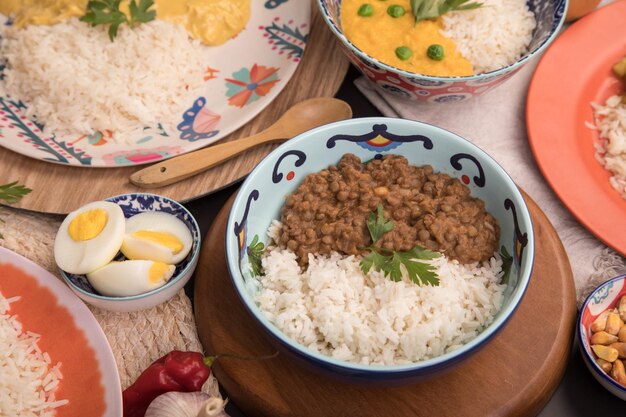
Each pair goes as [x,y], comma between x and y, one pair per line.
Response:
[137,339]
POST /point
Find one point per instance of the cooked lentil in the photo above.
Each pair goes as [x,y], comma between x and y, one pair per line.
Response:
[328,211]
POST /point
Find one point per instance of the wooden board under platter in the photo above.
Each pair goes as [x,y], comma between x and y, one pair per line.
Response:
[61,189]
[514,375]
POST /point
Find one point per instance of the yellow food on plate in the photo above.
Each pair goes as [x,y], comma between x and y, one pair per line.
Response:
[385,37]
[129,278]
[89,237]
[213,22]
[156,236]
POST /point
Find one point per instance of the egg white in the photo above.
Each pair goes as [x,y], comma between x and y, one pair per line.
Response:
[127,278]
[136,248]
[81,257]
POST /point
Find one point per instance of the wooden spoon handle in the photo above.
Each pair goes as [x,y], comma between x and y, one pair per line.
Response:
[190,164]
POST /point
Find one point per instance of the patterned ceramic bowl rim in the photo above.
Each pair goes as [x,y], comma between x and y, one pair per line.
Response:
[503,315]
[339,33]
[588,356]
[191,264]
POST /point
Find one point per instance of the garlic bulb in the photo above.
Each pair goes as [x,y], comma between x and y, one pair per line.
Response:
[186,404]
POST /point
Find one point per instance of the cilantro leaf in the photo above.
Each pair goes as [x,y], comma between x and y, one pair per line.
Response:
[377,225]
[373,259]
[141,13]
[12,192]
[431,9]
[255,253]
[418,272]
[107,12]
[391,262]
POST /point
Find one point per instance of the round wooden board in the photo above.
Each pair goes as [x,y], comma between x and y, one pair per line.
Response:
[514,375]
[60,189]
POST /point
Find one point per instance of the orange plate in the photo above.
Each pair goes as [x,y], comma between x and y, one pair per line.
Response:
[69,333]
[575,71]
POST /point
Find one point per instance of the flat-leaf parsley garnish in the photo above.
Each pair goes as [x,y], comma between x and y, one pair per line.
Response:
[107,12]
[390,262]
[432,9]
[12,193]
[255,254]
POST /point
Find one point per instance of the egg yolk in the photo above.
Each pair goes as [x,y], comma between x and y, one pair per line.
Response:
[88,224]
[164,239]
[157,272]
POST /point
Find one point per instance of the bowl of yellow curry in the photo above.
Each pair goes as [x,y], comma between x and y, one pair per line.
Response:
[442,50]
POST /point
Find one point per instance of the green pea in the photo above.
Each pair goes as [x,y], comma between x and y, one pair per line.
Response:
[366,10]
[395,11]
[403,53]
[435,52]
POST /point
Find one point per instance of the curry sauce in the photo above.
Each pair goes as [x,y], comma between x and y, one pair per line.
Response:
[213,22]
[380,35]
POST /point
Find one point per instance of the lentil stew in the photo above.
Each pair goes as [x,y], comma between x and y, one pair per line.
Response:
[329,210]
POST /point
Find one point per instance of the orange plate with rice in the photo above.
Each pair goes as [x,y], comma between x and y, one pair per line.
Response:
[574,72]
[69,334]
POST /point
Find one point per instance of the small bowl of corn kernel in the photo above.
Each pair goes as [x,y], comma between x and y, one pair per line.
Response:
[602,335]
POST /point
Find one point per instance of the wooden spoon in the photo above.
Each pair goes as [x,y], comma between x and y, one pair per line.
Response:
[299,118]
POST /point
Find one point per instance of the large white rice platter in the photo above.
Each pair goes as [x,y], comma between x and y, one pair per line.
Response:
[76,81]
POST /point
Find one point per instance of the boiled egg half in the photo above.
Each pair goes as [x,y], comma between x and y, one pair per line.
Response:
[89,237]
[156,236]
[128,278]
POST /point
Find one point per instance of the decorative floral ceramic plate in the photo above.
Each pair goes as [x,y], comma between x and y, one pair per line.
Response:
[575,71]
[242,77]
[69,334]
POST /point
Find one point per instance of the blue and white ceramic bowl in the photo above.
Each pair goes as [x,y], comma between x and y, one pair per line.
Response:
[605,297]
[262,195]
[132,204]
[549,14]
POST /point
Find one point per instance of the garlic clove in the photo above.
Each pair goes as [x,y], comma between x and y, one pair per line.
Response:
[186,404]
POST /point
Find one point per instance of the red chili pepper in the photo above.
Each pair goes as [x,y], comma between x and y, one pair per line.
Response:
[176,371]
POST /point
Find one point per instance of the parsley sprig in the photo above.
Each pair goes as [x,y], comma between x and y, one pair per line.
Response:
[390,262]
[431,9]
[12,193]
[255,254]
[107,12]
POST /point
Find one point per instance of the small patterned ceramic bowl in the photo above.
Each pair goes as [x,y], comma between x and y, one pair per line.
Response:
[132,204]
[263,194]
[550,15]
[602,298]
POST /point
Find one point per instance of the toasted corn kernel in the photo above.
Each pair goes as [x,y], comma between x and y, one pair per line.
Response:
[599,324]
[613,323]
[621,349]
[606,366]
[621,335]
[618,372]
[607,353]
[621,307]
[603,338]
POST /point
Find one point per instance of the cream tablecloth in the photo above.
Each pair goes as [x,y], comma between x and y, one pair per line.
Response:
[138,338]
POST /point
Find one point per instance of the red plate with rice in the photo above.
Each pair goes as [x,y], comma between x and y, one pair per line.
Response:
[51,341]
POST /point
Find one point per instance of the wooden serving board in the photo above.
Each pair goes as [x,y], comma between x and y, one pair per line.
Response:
[61,189]
[514,375]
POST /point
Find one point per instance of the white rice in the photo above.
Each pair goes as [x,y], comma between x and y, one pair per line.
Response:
[28,380]
[335,309]
[76,81]
[610,121]
[492,36]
